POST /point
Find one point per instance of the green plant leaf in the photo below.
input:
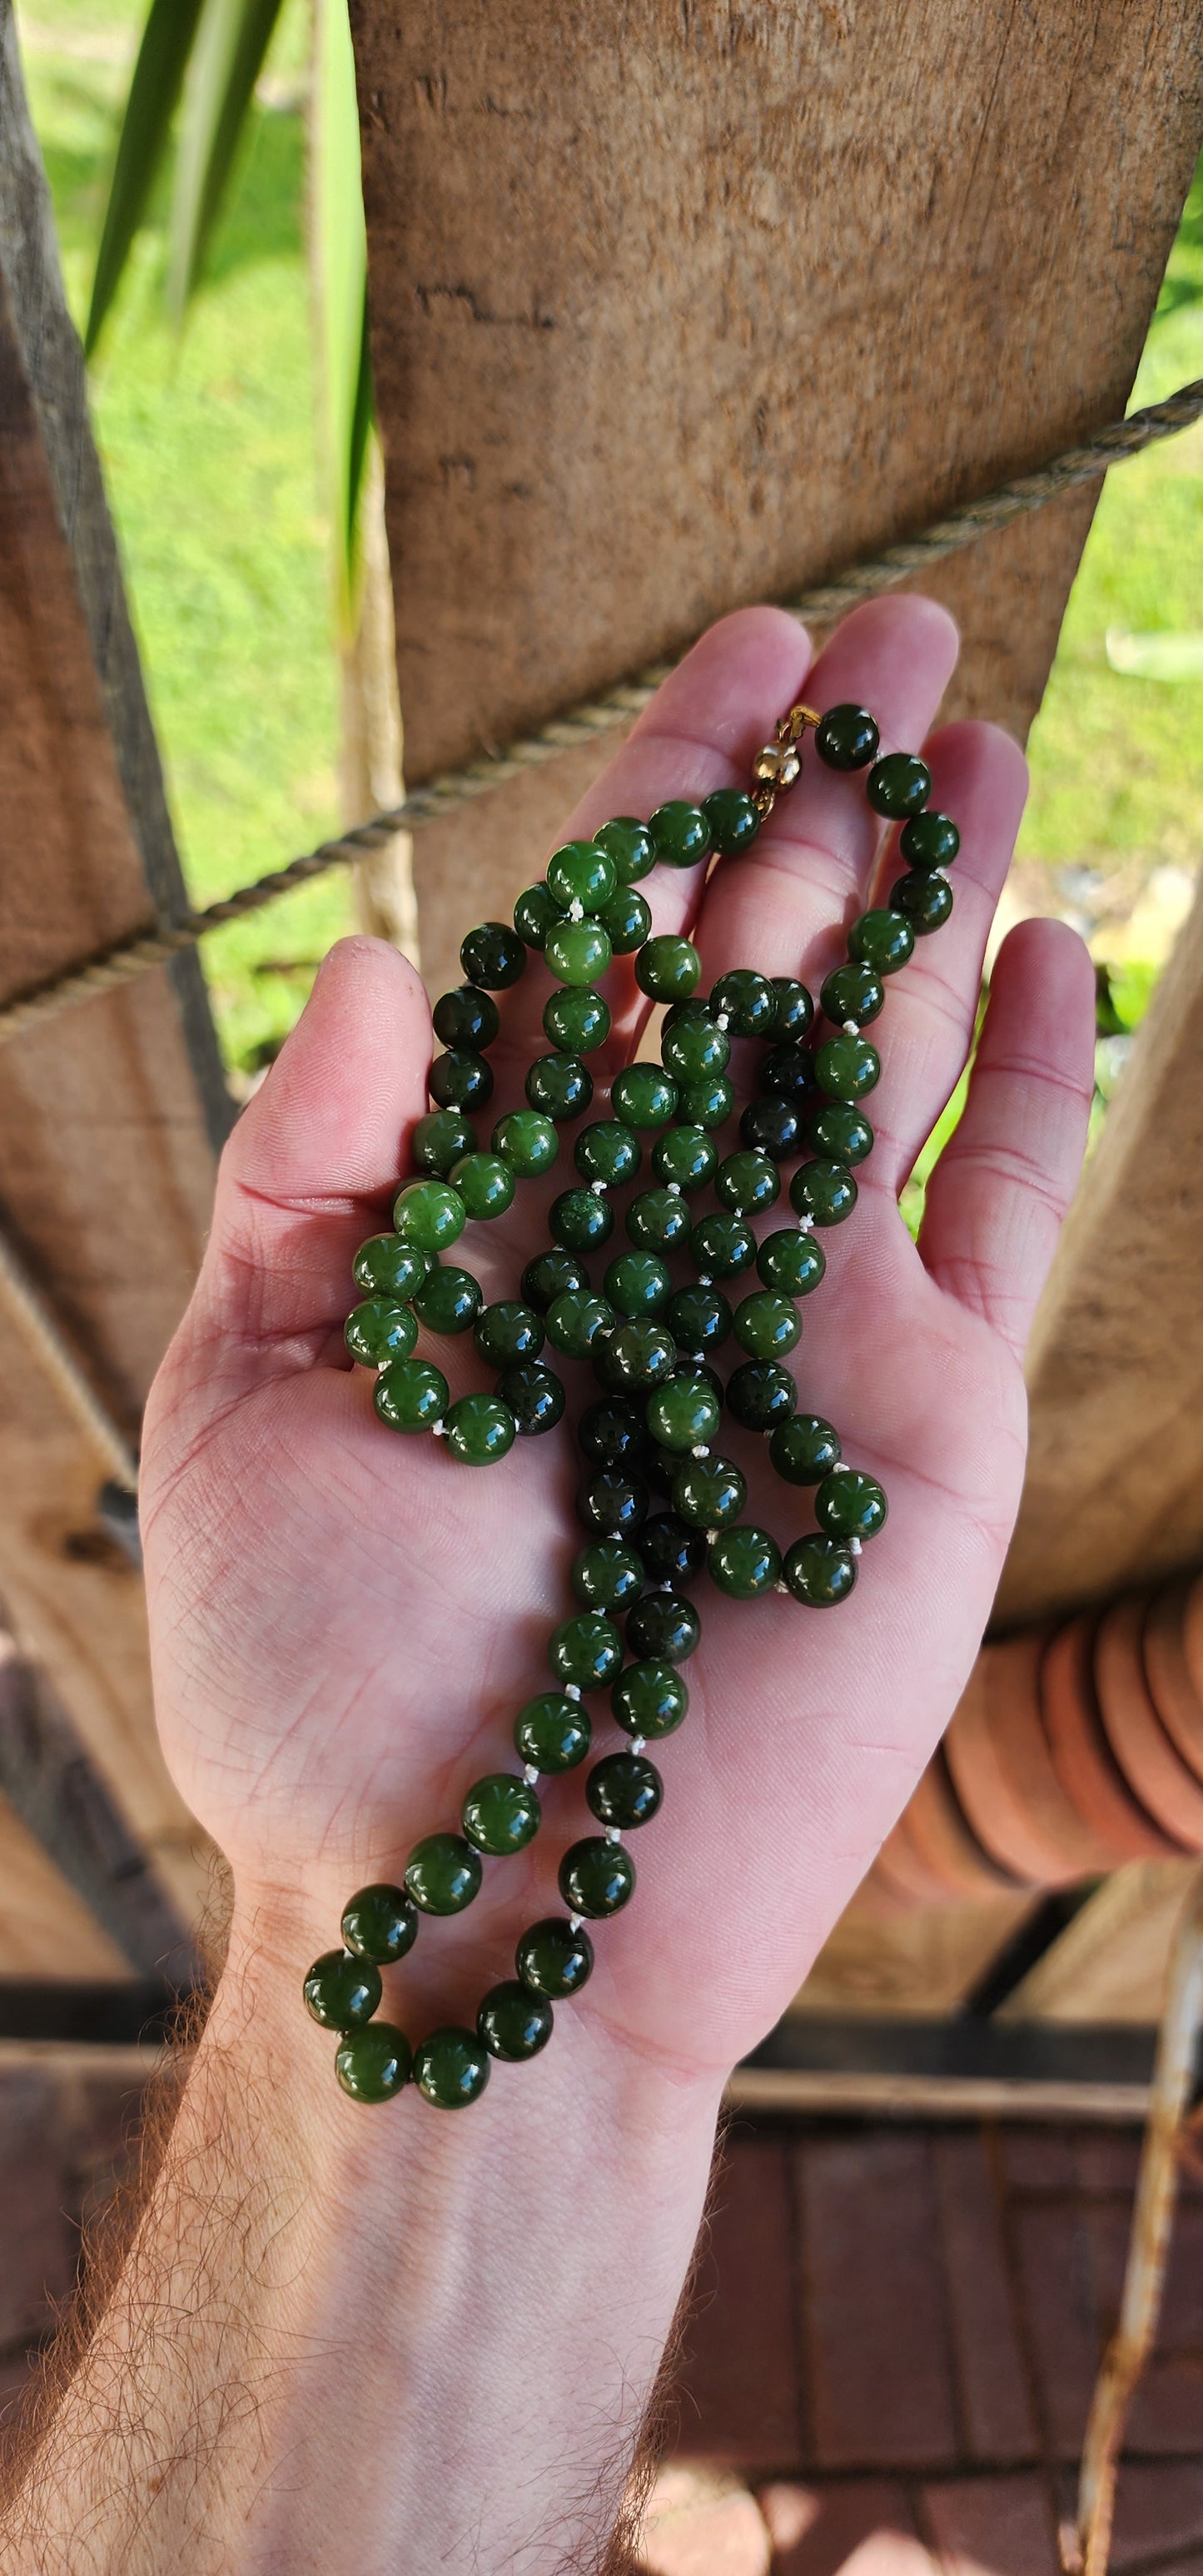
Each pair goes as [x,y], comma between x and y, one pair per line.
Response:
[158,77]
[227,58]
[340,269]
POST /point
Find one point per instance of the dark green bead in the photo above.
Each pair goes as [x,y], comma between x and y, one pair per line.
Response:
[578,951]
[788,1073]
[825,1192]
[596,1878]
[638,1284]
[626,921]
[744,1562]
[501,1814]
[850,1505]
[390,1266]
[748,1182]
[747,1001]
[926,901]
[581,873]
[684,1155]
[657,1220]
[374,2063]
[552,1732]
[528,1142]
[839,1134]
[480,1428]
[466,1017]
[635,1355]
[709,1102]
[575,1320]
[534,915]
[699,1319]
[553,1960]
[607,1152]
[608,1575]
[767,1325]
[643,1096]
[795,1009]
[668,968]
[380,1924]
[409,1395]
[513,2023]
[733,820]
[460,1080]
[560,1085]
[881,939]
[580,1220]
[586,1650]
[804,1450]
[680,832]
[649,1699]
[485,1183]
[449,1302]
[663,1629]
[819,1571]
[671,1552]
[576,1019]
[791,1262]
[439,1140]
[342,1991]
[379,1331]
[852,993]
[430,1214]
[771,1127]
[534,1394]
[611,1433]
[613,1502]
[624,1789]
[694,1047]
[493,956]
[709,1492]
[629,843]
[929,840]
[451,2068]
[847,738]
[720,1247]
[683,1414]
[760,1395]
[551,1275]
[443,1874]
[847,1068]
[899,785]
[507,1332]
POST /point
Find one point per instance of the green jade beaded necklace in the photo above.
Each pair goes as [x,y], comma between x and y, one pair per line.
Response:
[646,1442]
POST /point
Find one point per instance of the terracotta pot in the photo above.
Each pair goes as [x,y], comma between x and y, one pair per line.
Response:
[1192,1633]
[938,1831]
[1175,1698]
[881,1897]
[1082,1757]
[905,1869]
[1150,1763]
[1004,1776]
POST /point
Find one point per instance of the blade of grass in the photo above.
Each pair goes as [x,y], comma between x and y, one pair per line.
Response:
[158,78]
[227,58]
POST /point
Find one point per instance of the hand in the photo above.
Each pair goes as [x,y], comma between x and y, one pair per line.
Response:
[345,1623]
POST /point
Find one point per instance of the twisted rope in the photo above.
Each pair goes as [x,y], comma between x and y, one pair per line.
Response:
[453,788]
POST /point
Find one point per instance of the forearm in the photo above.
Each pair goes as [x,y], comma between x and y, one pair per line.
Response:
[366,2339]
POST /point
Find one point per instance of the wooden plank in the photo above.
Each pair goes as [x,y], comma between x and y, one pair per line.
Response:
[46,1930]
[924,1962]
[1109,1964]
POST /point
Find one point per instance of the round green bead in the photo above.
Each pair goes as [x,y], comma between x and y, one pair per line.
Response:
[684,1155]
[744,1562]
[683,1414]
[430,1214]
[507,1332]
[643,1096]
[624,1789]
[699,1319]
[582,872]
[825,1192]
[847,738]
[449,1302]
[375,2063]
[440,1139]
[839,1133]
[551,1275]
[791,1262]
[733,820]
[379,1331]
[707,1102]
[635,1355]
[767,1325]
[578,951]
[760,1395]
[380,1924]
[534,915]
[929,840]
[626,921]
[466,1017]
[607,1576]
[553,1960]
[443,1874]
[649,1699]
[389,1266]
[668,968]
[709,1492]
[460,1080]
[560,1086]
[586,1650]
[480,1428]
[795,1010]
[513,2023]
[638,1284]
[819,1571]
[899,785]
[747,1002]
[850,1505]
[692,1047]
[657,1220]
[629,843]
[342,1991]
[852,993]
[552,1732]
[528,1142]
[747,1181]
[409,1395]
[664,1628]
[882,939]
[596,1878]
[576,1019]
[804,1449]
[846,1068]
[680,832]
[580,1220]
[451,2068]
[492,956]
[575,1320]
[607,1152]
[721,1246]
[926,901]
[485,1183]
[534,1394]
[501,1814]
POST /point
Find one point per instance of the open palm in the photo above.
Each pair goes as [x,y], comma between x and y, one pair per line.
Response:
[345,1623]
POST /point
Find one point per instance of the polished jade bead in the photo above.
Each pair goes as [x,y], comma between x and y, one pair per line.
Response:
[683,1414]
[882,939]
[611,1433]
[580,1221]
[693,1048]
[596,1878]
[847,738]
[443,1874]
[379,1923]
[578,951]
[733,819]
[341,1991]
[649,1699]
[559,1085]
[501,1814]
[638,1284]
[582,872]
[553,1733]
[771,1127]
[575,1320]
[839,1134]
[795,1009]
[409,1395]
[390,1266]
[760,1395]
[551,1275]
[613,1502]
[635,1355]
[485,1183]
[629,843]
[748,1182]
[846,1068]
[929,840]
[553,1960]
[439,1140]
[374,2063]
[825,1192]
[466,1017]
[680,832]
[449,1301]
[709,1492]
[507,1332]
[699,1319]
[853,992]
[744,1562]
[708,1102]
[804,1449]
[684,1155]
[926,901]
[663,1629]
[787,1072]
[460,1080]
[657,1220]
[850,1505]
[721,1246]
[430,1214]
[576,1019]
[626,921]
[819,1571]
[534,915]
[493,956]
[643,1096]
[624,1789]
[378,1331]
[607,1151]
[747,1002]
[899,785]
[480,1428]
[668,968]
[513,2023]
[528,1142]
[586,1650]
[608,1575]
[791,1262]
[451,2068]
[534,1394]
[671,1552]
[767,1325]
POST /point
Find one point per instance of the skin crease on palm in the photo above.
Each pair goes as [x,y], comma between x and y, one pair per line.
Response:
[344,1623]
